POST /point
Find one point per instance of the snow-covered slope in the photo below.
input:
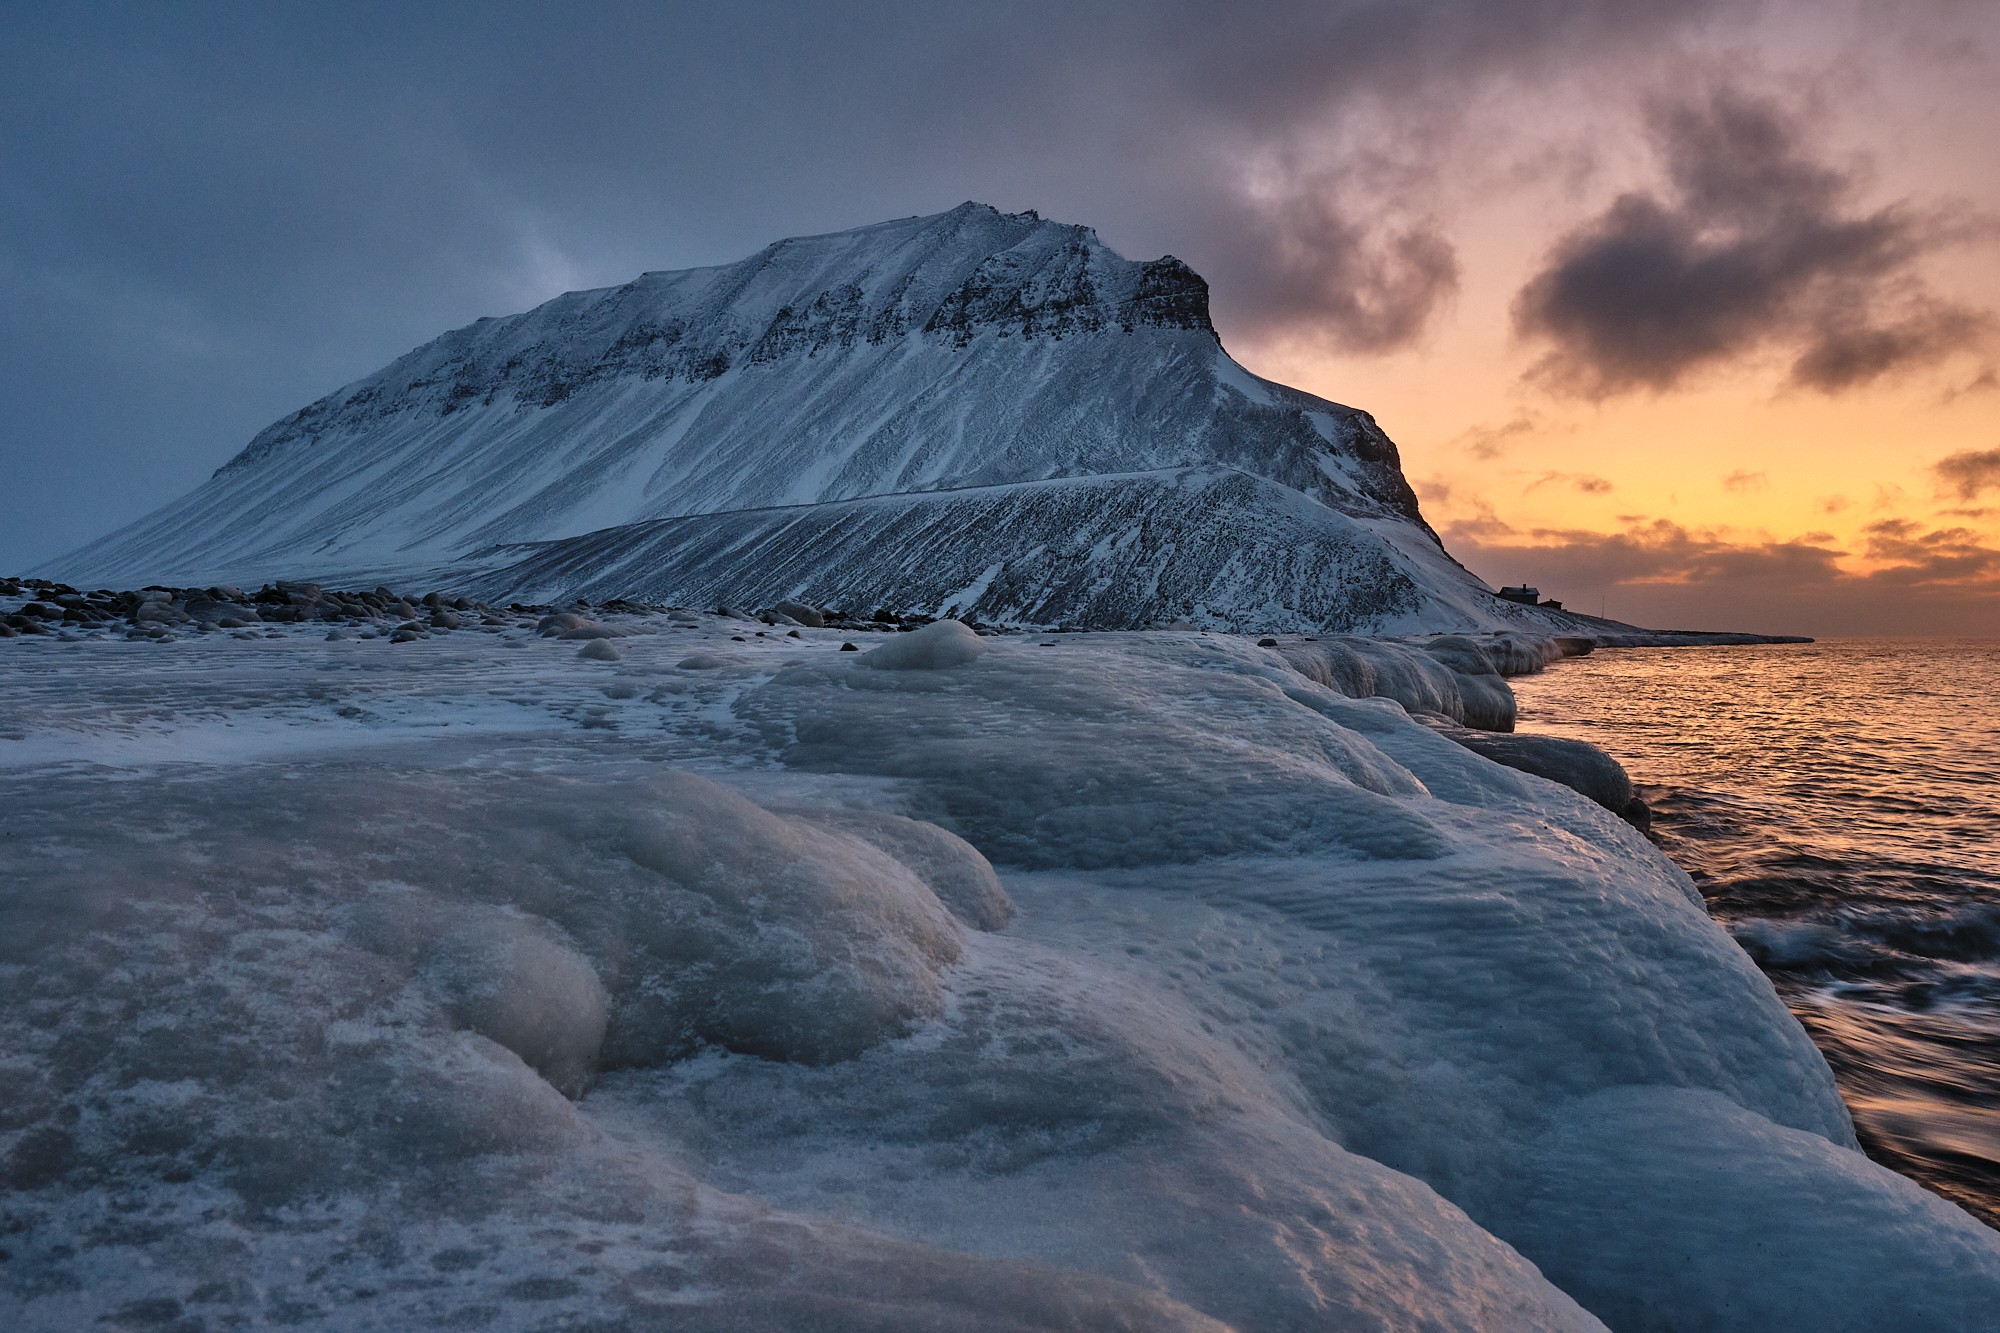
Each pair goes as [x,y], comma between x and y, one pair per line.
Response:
[971,349]
[1218,547]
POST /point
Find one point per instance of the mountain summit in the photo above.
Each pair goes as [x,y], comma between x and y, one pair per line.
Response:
[983,413]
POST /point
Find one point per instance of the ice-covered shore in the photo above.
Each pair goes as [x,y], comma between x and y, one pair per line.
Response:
[727,979]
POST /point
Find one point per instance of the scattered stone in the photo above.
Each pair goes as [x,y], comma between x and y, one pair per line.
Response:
[561,622]
[406,634]
[1267,643]
[849,648]
[600,650]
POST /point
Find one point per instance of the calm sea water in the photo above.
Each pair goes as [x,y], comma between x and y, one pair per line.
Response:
[1839,805]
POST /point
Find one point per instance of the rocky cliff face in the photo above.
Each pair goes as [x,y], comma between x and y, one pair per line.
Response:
[969,350]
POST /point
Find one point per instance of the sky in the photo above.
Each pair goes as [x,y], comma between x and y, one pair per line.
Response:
[1683,311]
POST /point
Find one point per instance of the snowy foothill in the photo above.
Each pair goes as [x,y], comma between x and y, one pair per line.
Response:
[687,970]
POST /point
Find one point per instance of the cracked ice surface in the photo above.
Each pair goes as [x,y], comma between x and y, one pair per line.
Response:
[1135,981]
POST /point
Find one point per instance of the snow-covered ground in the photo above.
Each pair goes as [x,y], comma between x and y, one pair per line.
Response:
[707,975]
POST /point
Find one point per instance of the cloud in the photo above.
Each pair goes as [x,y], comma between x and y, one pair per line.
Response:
[1969,472]
[1745,481]
[1492,441]
[1754,243]
[1580,481]
[1912,555]
[1353,283]
[1666,575]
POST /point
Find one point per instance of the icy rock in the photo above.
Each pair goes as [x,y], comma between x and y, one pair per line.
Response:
[600,650]
[552,625]
[701,662]
[1488,703]
[938,645]
[801,613]
[1578,765]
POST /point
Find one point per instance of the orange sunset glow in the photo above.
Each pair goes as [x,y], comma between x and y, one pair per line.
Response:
[1731,495]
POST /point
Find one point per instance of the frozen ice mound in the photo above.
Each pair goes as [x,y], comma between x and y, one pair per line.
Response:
[518,981]
[1450,675]
[1041,764]
[760,934]
[1697,1201]
[953,868]
[446,980]
[1281,1011]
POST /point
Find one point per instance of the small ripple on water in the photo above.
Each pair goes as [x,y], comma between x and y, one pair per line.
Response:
[1837,805]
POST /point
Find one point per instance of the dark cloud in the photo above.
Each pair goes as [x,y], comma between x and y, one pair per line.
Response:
[1754,243]
[1741,480]
[1357,286]
[1665,575]
[1934,556]
[1969,472]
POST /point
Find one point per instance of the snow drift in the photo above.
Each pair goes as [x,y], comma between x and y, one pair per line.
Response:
[975,411]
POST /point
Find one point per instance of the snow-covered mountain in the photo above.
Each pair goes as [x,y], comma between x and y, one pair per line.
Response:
[977,410]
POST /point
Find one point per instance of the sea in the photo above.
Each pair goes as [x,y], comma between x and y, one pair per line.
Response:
[1838,804]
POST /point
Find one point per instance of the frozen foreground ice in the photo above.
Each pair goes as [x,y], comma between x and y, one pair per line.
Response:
[707,977]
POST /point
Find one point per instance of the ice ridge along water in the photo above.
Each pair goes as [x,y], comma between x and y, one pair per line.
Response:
[735,980]
[1837,804]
